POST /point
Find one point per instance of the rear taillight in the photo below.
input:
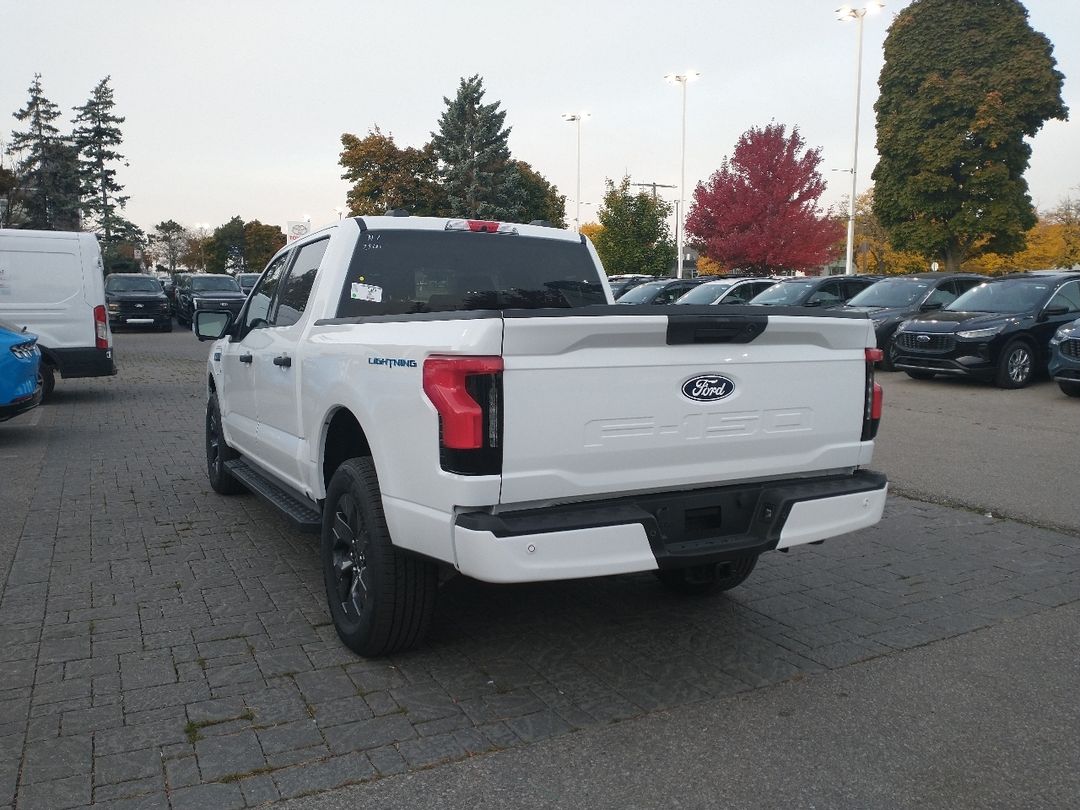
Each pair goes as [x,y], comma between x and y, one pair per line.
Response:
[101,327]
[466,392]
[874,397]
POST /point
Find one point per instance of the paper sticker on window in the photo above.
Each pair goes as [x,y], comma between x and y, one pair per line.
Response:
[366,292]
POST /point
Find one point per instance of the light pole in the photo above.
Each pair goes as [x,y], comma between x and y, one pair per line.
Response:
[845,13]
[576,119]
[339,211]
[683,79]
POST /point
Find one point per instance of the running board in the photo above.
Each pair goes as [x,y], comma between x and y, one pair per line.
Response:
[300,512]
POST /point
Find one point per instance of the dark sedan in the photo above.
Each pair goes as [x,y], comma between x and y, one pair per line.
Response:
[209,291]
[999,331]
[891,301]
[134,299]
[825,292]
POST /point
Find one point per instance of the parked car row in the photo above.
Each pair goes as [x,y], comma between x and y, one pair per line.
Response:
[1001,330]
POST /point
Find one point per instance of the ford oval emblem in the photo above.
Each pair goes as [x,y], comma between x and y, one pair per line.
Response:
[708,388]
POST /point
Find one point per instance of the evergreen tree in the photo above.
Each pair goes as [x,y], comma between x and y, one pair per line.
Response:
[46,167]
[97,136]
[960,90]
[635,237]
[171,238]
[471,145]
[225,249]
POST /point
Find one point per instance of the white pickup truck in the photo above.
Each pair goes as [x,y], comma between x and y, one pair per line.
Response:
[431,392]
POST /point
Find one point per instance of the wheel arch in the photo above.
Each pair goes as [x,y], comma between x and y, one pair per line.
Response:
[342,438]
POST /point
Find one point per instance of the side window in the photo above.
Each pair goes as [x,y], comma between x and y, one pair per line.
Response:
[826,295]
[965,284]
[258,311]
[1067,296]
[943,295]
[742,294]
[670,294]
[297,287]
[853,288]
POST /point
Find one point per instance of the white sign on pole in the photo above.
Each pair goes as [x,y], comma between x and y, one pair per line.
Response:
[297,230]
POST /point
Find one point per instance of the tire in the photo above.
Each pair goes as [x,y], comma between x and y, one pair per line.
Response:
[381,599]
[1016,365]
[218,452]
[920,375]
[705,579]
[1069,389]
[48,380]
[167,326]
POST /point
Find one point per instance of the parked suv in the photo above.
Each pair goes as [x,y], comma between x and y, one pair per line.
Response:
[1065,358]
[661,291]
[824,292]
[999,330]
[207,291]
[893,300]
[726,291]
[134,299]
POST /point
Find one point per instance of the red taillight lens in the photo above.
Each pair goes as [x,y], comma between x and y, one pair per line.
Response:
[878,403]
[461,415]
[101,327]
[873,398]
[483,226]
[874,355]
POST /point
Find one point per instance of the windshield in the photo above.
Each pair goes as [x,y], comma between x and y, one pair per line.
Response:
[410,272]
[706,293]
[1014,295]
[146,284]
[891,293]
[783,293]
[214,284]
[642,294]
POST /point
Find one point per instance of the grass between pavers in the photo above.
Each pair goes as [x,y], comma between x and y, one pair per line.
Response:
[193,727]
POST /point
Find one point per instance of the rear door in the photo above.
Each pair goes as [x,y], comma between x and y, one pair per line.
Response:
[616,403]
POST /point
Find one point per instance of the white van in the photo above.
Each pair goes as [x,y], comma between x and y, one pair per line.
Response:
[52,283]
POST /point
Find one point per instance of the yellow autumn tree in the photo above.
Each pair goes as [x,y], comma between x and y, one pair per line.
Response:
[1047,248]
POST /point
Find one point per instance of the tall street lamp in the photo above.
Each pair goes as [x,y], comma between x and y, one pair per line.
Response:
[683,79]
[845,13]
[576,119]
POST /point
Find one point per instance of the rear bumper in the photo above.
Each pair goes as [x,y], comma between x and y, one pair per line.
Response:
[21,405]
[84,362]
[665,530]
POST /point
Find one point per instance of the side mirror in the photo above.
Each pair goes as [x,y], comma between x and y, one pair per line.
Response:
[1051,312]
[930,306]
[210,325]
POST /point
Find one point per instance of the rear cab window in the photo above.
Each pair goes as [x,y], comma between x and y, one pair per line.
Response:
[407,272]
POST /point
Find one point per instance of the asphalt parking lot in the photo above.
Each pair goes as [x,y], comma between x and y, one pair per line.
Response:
[163,646]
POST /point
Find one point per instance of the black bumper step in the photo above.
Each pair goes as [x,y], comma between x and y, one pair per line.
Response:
[300,512]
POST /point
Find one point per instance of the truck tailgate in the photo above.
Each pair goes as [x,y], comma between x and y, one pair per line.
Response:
[596,403]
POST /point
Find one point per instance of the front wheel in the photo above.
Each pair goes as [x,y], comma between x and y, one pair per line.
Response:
[1069,389]
[381,599]
[1016,366]
[218,452]
[703,579]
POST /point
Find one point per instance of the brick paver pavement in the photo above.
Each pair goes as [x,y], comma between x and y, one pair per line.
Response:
[163,646]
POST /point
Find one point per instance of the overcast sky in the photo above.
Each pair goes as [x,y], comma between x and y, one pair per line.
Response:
[238,106]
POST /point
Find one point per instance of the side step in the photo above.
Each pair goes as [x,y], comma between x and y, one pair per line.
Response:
[300,512]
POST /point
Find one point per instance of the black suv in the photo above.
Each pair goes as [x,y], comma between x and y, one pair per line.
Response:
[895,299]
[207,291]
[813,291]
[999,330]
[134,299]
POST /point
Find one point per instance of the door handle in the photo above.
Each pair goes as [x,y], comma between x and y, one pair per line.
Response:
[283,360]
[245,358]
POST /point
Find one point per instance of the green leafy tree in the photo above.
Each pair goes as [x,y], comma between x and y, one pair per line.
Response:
[225,248]
[385,176]
[479,178]
[542,200]
[261,242]
[47,171]
[170,238]
[635,237]
[97,136]
[960,91]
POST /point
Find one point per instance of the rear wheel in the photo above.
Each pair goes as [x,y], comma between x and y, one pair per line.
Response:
[1071,389]
[703,579]
[920,375]
[218,452]
[1016,366]
[381,599]
[48,380]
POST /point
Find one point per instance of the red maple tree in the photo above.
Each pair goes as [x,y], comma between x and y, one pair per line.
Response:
[759,211]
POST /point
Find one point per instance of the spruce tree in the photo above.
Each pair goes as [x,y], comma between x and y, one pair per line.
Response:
[97,136]
[46,167]
[471,145]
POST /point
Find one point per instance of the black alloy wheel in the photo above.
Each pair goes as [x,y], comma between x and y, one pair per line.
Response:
[218,452]
[381,599]
[1016,366]
[699,580]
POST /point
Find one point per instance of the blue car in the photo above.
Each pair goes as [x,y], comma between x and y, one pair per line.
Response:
[20,385]
[1065,358]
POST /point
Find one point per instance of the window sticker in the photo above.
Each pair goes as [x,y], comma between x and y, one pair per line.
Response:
[366,292]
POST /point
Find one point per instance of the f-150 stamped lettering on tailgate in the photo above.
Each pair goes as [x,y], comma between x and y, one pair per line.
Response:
[698,426]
